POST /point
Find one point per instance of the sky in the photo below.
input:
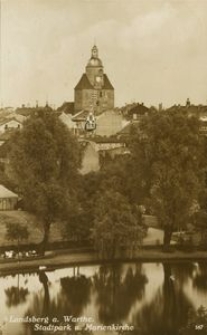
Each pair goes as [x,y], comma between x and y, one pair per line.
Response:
[153,51]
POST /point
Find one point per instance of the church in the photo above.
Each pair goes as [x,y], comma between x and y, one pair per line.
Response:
[94,92]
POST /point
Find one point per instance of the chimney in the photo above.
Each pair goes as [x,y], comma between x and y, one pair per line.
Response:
[187,102]
[160,107]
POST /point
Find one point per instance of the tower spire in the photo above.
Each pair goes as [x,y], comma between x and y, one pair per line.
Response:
[94,52]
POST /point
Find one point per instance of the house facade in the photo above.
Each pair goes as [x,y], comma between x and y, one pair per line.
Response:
[96,149]
[10,124]
[8,199]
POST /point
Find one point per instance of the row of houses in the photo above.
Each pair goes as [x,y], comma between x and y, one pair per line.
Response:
[107,138]
[110,126]
[103,140]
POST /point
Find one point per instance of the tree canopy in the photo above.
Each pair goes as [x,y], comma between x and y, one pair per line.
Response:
[166,167]
[16,232]
[116,224]
[44,159]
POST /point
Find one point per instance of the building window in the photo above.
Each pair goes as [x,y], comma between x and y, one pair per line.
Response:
[101,94]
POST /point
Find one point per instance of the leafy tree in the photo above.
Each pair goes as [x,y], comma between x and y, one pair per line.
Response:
[44,160]
[116,224]
[111,177]
[199,219]
[16,232]
[79,221]
[114,176]
[166,166]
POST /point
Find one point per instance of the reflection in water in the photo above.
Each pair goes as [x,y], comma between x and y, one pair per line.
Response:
[15,295]
[41,305]
[200,279]
[76,291]
[117,291]
[155,299]
[183,273]
[168,311]
[73,295]
[46,305]
[197,323]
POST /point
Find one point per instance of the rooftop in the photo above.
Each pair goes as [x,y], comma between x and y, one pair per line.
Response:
[84,83]
[5,193]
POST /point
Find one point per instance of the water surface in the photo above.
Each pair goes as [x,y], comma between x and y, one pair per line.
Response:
[154,298]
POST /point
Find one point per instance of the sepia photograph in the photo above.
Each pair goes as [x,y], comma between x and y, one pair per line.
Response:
[103,167]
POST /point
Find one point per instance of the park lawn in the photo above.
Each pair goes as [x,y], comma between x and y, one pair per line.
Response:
[35,228]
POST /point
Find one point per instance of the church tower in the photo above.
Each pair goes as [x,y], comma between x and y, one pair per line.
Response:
[94,92]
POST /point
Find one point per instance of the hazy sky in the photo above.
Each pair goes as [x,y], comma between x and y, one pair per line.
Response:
[152,50]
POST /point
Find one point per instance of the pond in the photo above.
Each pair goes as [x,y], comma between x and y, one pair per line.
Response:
[142,298]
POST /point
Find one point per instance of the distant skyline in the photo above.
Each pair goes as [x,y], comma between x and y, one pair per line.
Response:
[153,51]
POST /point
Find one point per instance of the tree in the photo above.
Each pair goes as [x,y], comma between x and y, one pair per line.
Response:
[44,159]
[116,224]
[166,164]
[79,221]
[16,232]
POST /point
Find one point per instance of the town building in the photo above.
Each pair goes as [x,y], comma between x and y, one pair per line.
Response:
[94,91]
[198,111]
[98,149]
[7,125]
[66,107]
[108,123]
[67,120]
[8,199]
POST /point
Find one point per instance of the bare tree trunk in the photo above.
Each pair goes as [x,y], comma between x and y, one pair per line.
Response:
[44,242]
[167,236]
[113,249]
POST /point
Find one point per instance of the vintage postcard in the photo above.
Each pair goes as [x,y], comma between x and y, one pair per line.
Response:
[103,169]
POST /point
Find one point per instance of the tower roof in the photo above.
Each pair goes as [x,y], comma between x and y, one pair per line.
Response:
[83,83]
[94,61]
[107,84]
